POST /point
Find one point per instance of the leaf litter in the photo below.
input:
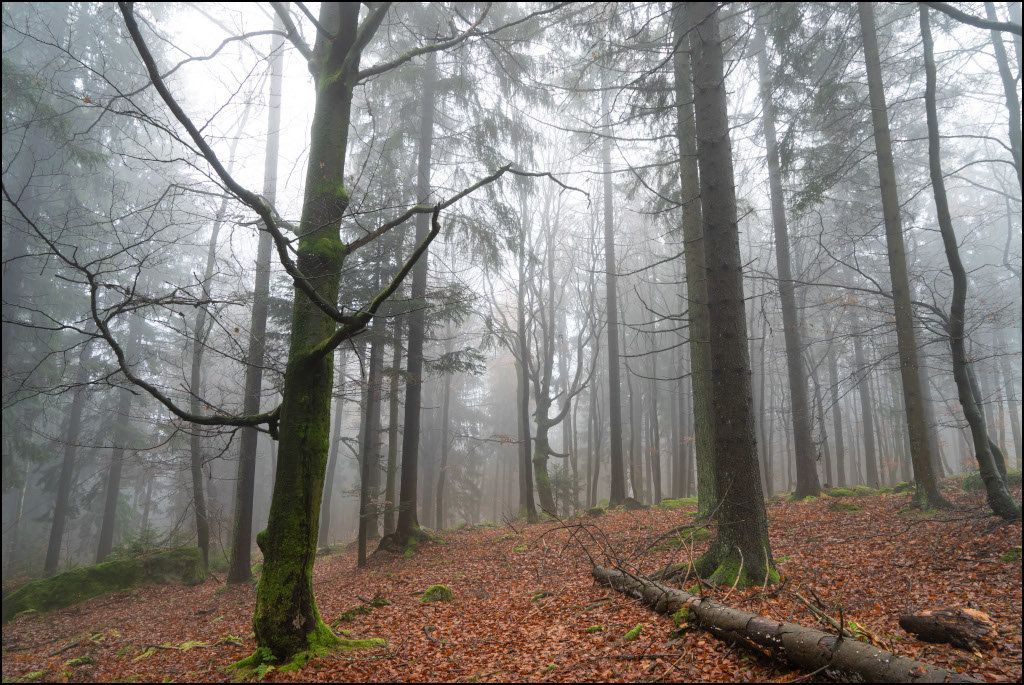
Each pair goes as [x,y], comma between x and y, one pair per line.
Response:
[527,609]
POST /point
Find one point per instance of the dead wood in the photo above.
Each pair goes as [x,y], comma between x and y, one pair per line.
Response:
[964,628]
[840,658]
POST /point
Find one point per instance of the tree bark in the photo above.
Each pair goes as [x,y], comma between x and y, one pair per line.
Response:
[694,256]
[807,483]
[1009,91]
[370,457]
[742,521]
[927,493]
[407,528]
[240,564]
[995,486]
[71,436]
[393,403]
[617,472]
[842,659]
[122,418]
[964,628]
[837,416]
[324,538]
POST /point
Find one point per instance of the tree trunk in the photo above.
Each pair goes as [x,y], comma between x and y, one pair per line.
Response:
[71,436]
[122,418]
[442,471]
[618,475]
[837,416]
[1011,400]
[324,538]
[286,621]
[696,273]
[527,507]
[841,659]
[393,402]
[742,522]
[240,565]
[964,628]
[1009,90]
[927,493]
[407,528]
[995,486]
[370,457]
[807,483]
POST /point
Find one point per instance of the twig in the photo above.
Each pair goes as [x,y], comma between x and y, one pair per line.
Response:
[825,617]
[64,649]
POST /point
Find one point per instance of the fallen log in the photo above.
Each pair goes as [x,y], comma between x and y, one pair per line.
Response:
[840,658]
[964,628]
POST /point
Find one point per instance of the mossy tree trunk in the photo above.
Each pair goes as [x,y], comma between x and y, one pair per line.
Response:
[927,490]
[696,273]
[286,619]
[995,486]
[741,552]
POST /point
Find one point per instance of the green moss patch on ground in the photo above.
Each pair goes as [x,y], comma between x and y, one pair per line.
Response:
[182,566]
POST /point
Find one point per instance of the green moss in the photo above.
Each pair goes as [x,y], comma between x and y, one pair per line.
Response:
[681,617]
[409,553]
[182,566]
[507,536]
[841,492]
[725,575]
[844,506]
[903,486]
[974,483]
[634,633]
[487,524]
[86,660]
[322,642]
[1011,555]
[350,614]
[864,490]
[437,593]
[595,629]
[678,503]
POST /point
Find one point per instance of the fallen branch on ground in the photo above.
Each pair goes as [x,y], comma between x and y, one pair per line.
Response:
[807,648]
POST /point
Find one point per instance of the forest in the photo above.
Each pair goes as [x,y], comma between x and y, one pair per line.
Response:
[512,342]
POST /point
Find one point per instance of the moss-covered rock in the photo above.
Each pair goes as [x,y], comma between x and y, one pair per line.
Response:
[182,566]
[844,506]
[1011,555]
[632,504]
[350,614]
[864,490]
[437,593]
[903,486]
[678,503]
[596,511]
[842,492]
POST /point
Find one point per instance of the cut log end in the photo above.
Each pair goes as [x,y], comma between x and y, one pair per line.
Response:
[963,627]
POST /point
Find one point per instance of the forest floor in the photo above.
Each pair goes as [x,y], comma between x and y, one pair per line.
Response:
[877,563]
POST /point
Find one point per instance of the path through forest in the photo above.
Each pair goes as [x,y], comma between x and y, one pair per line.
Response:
[878,562]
